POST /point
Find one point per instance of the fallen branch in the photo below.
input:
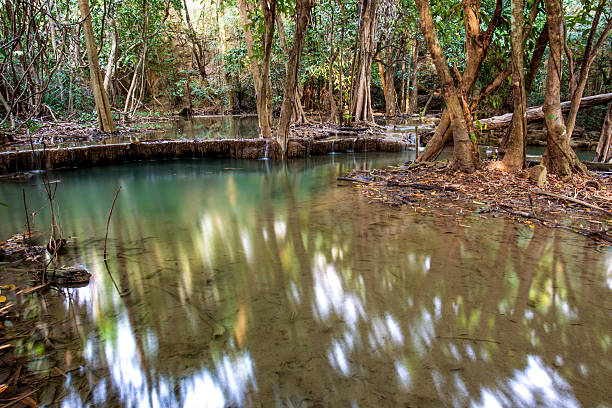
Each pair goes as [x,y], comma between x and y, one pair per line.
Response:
[536,112]
[571,199]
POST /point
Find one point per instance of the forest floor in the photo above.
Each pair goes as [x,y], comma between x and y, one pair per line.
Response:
[582,203]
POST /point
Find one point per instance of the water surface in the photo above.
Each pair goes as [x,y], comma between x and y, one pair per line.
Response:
[253,283]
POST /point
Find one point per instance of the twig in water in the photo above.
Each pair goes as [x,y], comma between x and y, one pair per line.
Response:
[110,214]
[25,206]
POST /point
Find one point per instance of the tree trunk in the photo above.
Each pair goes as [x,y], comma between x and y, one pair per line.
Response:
[105,119]
[465,155]
[588,57]
[387,79]
[514,159]
[264,96]
[476,50]
[559,158]
[361,101]
[112,62]
[244,10]
[298,115]
[603,153]
[225,80]
[302,16]
[412,106]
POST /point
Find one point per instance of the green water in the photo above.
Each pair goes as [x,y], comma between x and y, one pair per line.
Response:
[252,283]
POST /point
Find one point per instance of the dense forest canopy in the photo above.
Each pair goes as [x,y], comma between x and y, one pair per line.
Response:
[342,59]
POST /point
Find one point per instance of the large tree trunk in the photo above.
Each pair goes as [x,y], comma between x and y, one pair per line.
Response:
[465,155]
[603,153]
[559,158]
[105,119]
[389,84]
[514,159]
[302,15]
[589,54]
[264,101]
[361,100]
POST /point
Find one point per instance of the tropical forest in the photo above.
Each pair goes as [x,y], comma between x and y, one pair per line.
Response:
[300,203]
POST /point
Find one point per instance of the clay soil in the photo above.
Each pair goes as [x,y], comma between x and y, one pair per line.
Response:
[582,204]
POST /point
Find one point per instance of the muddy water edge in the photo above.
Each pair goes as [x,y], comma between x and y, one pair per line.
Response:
[254,283]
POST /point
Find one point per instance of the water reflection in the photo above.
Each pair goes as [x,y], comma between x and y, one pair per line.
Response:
[253,283]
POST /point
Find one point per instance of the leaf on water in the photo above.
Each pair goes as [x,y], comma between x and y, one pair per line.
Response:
[3,387]
[3,204]
[2,299]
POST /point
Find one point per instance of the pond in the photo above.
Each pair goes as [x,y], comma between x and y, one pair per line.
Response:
[253,283]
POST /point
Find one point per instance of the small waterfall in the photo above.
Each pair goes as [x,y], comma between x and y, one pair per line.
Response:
[353,148]
[332,147]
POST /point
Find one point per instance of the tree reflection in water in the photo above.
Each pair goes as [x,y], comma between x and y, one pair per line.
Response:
[269,285]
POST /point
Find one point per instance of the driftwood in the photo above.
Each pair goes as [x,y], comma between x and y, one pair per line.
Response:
[535,112]
[573,200]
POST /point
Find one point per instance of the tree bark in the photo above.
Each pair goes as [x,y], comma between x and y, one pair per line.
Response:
[514,159]
[105,119]
[477,45]
[361,100]
[603,153]
[298,115]
[412,107]
[465,155]
[302,16]
[264,102]
[590,52]
[112,61]
[559,158]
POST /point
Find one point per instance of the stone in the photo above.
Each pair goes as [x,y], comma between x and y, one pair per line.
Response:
[538,175]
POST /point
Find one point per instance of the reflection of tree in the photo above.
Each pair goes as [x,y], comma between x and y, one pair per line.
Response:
[303,292]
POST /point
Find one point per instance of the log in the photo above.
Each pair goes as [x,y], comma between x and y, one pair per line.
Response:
[535,112]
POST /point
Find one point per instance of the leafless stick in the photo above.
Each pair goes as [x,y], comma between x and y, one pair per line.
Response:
[110,214]
[25,206]
[573,200]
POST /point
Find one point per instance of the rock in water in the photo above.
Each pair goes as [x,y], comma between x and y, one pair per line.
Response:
[538,174]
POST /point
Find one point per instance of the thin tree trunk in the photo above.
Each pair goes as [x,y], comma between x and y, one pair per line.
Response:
[225,80]
[264,102]
[559,158]
[244,10]
[414,71]
[112,61]
[361,100]
[514,159]
[105,119]
[465,156]
[402,107]
[603,153]
[303,9]
[298,115]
